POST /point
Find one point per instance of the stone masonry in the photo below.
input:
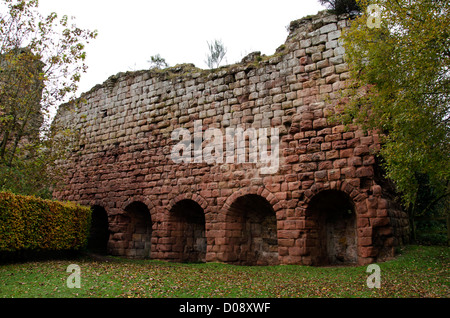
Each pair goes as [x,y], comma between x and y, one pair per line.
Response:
[327,203]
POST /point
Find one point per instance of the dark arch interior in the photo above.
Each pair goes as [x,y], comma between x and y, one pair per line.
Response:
[139,230]
[334,217]
[99,232]
[187,224]
[253,225]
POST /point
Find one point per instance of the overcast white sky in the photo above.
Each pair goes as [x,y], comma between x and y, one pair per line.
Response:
[131,31]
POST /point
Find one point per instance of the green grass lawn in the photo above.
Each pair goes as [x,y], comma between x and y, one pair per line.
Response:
[418,271]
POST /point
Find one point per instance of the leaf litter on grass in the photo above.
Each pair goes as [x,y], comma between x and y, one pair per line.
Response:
[417,273]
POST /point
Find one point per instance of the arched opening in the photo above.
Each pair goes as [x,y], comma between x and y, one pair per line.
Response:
[253,231]
[187,230]
[99,232]
[333,232]
[139,230]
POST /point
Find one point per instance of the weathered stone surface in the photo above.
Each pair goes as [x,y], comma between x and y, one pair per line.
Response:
[228,211]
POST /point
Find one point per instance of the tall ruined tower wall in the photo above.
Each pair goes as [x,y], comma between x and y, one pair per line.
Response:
[321,203]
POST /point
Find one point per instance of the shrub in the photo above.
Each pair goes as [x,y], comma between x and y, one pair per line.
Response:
[32,224]
[341,6]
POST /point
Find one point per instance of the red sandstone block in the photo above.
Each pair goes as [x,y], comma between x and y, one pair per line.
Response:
[365,241]
[382,213]
[320,123]
[368,160]
[362,222]
[370,213]
[292,159]
[294,185]
[306,158]
[281,195]
[332,154]
[348,135]
[348,172]
[368,140]
[340,163]
[339,144]
[355,161]
[346,153]
[361,150]
[320,175]
[290,225]
[361,207]
[363,261]
[324,132]
[306,125]
[288,260]
[283,242]
[325,165]
[372,202]
[288,234]
[365,232]
[359,196]
[378,222]
[291,177]
[334,174]
[367,251]
[273,187]
[364,172]
[326,88]
[352,143]
[304,60]
[338,129]
[333,137]
[383,203]
[313,147]
[325,146]
[318,156]
[318,114]
[297,194]
[296,251]
[283,251]
[335,185]
[376,190]
[221,241]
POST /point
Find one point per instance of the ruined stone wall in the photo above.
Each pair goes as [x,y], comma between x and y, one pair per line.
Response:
[232,211]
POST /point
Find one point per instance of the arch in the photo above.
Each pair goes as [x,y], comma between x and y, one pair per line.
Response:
[251,228]
[144,200]
[138,232]
[189,196]
[186,228]
[99,231]
[260,191]
[332,228]
[346,187]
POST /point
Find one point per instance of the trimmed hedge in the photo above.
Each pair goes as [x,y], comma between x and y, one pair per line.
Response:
[33,224]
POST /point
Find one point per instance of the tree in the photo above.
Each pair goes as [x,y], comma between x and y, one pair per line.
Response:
[217,52]
[156,61]
[41,61]
[341,6]
[400,88]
